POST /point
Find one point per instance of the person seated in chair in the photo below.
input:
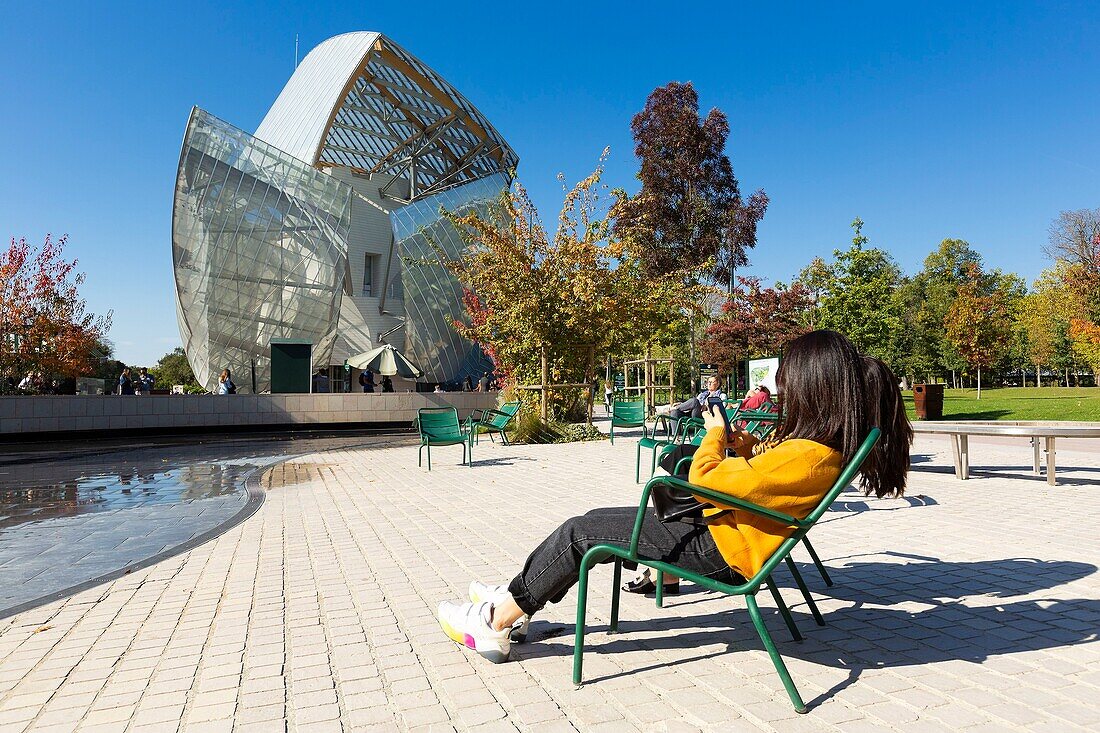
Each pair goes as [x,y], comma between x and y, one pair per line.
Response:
[695,406]
[756,397]
[830,410]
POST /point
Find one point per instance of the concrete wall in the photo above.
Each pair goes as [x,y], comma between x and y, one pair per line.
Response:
[31,415]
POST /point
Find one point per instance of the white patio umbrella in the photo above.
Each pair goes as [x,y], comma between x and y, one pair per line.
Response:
[385,360]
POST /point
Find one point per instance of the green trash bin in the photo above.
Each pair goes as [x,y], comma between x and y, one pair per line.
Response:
[928,401]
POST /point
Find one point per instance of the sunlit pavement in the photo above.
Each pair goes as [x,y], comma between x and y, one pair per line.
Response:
[968,605]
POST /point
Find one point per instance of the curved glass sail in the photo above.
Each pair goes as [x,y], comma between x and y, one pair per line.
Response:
[259,250]
[433,297]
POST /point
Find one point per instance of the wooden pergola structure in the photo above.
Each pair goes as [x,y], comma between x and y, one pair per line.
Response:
[648,386]
[545,387]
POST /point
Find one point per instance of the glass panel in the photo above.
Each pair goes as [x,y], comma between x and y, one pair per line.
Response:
[433,297]
[259,244]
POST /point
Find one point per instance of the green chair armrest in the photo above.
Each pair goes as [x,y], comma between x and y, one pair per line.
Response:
[726,500]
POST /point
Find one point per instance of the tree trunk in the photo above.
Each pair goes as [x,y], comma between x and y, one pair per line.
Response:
[1038,376]
[590,377]
[692,365]
[545,382]
[979,383]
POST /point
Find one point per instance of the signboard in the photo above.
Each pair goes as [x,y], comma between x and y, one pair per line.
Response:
[763,371]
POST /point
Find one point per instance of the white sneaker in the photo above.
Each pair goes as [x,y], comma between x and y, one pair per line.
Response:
[469,625]
[496,594]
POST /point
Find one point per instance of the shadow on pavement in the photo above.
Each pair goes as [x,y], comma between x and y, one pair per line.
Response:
[872,633]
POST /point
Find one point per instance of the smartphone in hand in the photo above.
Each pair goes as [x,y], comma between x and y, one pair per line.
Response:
[713,402]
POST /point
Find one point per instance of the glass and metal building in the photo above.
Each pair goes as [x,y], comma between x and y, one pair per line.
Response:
[325,224]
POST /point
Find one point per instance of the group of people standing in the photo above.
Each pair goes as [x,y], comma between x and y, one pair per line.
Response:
[140,384]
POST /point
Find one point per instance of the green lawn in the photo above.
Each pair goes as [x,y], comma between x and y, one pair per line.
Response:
[1019,403]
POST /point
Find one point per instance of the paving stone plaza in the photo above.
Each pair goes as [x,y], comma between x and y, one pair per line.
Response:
[965,606]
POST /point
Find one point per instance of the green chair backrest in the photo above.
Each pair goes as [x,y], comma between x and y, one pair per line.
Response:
[760,423]
[438,422]
[504,415]
[628,414]
[847,474]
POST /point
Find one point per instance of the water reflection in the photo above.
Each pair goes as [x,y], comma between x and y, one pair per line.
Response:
[133,477]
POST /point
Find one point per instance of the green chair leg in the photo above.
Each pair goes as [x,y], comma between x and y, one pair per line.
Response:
[612,434]
[659,592]
[429,447]
[638,464]
[784,611]
[582,608]
[420,456]
[616,581]
[780,667]
[805,592]
[817,562]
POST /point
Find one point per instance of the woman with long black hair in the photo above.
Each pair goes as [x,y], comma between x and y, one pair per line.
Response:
[829,408]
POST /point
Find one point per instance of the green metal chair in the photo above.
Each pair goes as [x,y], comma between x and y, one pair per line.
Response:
[628,415]
[684,428]
[439,426]
[761,424]
[492,421]
[748,589]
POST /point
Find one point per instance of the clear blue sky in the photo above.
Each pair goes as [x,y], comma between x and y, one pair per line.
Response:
[926,120]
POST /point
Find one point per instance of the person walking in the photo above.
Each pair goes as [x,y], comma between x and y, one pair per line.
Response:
[125,383]
[225,383]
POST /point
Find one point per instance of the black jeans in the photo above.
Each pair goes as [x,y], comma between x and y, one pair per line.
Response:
[690,408]
[553,568]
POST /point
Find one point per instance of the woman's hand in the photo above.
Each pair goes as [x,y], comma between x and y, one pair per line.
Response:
[712,418]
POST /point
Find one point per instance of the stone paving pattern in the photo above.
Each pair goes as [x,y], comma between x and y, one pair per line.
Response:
[967,606]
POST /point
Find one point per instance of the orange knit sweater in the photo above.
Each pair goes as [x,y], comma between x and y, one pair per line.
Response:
[790,477]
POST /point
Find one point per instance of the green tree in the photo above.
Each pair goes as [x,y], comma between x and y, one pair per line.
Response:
[1044,315]
[934,290]
[1085,337]
[858,297]
[815,277]
[582,291]
[172,369]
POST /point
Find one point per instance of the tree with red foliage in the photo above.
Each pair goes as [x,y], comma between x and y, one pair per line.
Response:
[44,326]
[689,215]
[756,321]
